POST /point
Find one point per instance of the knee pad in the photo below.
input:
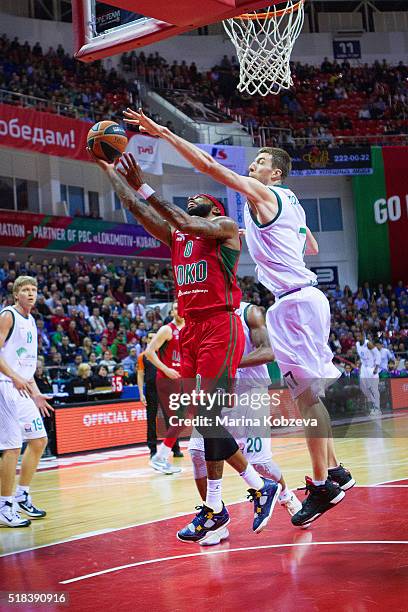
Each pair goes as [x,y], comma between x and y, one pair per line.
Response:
[199,465]
[270,469]
[219,449]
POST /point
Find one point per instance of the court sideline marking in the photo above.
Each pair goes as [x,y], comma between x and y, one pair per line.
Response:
[227,550]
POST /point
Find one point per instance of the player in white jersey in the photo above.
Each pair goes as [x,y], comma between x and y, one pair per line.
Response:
[299,321]
[370,358]
[252,381]
[21,405]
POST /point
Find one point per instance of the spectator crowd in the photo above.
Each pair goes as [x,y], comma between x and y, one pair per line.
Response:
[333,100]
[353,104]
[94,321]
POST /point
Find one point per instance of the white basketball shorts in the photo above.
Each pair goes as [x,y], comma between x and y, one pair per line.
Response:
[255,449]
[299,327]
[20,418]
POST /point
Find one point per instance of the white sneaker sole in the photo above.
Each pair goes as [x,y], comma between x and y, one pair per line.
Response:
[348,485]
[159,468]
[264,523]
[211,538]
[216,539]
[24,523]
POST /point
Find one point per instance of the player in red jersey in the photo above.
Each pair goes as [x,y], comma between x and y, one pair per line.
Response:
[205,247]
[164,352]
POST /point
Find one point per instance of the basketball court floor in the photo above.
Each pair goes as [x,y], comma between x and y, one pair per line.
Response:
[109,538]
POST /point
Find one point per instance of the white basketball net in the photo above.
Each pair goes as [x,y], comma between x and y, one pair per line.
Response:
[264,43]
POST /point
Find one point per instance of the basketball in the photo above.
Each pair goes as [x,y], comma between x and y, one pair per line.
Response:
[107,140]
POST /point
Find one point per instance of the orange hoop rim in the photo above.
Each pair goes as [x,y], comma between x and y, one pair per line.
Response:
[271,14]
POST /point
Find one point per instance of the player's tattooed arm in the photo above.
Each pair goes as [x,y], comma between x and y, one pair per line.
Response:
[143,213]
[262,352]
[222,229]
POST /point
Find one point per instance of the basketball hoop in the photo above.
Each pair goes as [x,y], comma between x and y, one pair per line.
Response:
[264,43]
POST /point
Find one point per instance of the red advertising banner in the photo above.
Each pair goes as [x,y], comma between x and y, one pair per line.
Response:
[23,128]
[92,426]
[399,393]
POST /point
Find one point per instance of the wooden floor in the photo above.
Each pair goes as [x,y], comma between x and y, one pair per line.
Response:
[107,495]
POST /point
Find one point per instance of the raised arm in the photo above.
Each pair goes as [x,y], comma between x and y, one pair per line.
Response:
[143,213]
[163,335]
[202,161]
[222,229]
[262,352]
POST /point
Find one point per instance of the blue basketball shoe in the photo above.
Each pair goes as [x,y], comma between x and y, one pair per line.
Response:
[207,527]
[264,502]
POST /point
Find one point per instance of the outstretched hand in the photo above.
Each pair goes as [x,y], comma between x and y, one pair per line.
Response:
[145,123]
[131,171]
[101,162]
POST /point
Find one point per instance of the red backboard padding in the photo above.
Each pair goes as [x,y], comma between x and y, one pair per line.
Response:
[189,12]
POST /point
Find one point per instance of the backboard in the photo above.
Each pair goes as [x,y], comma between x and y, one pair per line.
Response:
[104,29]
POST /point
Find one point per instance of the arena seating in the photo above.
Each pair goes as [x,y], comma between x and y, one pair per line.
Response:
[333,103]
[70,290]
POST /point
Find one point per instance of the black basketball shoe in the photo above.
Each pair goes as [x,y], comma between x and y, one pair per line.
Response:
[319,500]
[342,476]
[25,505]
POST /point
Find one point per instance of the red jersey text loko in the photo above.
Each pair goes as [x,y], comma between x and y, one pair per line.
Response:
[205,275]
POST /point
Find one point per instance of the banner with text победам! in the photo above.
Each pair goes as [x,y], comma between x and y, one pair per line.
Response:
[381,204]
[23,128]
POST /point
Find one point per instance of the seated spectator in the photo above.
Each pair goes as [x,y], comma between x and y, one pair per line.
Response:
[78,387]
[360,300]
[108,361]
[130,361]
[119,347]
[96,322]
[86,349]
[404,371]
[42,380]
[101,378]
[42,333]
[59,318]
[391,371]
[132,377]
[66,350]
[101,347]
[119,372]
[73,367]
[56,337]
[110,332]
[57,371]
[73,334]
[137,308]
[93,362]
